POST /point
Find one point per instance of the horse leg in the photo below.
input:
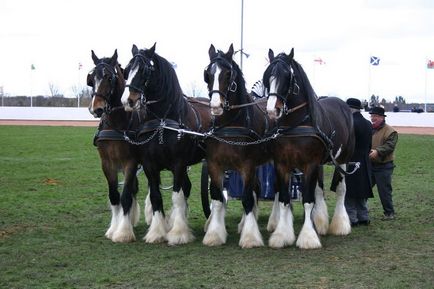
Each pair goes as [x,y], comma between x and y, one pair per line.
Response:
[215,227]
[124,232]
[180,232]
[308,237]
[157,231]
[115,199]
[250,234]
[255,210]
[274,216]
[340,224]
[148,208]
[283,234]
[320,212]
[136,206]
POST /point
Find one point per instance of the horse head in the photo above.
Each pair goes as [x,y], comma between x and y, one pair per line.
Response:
[224,79]
[107,83]
[138,74]
[281,83]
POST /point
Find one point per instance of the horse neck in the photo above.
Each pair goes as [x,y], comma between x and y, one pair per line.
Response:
[297,117]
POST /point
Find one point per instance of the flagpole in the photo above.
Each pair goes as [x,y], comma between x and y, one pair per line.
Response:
[426,82]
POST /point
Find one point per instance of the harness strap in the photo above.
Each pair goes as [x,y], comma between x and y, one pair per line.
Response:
[112,135]
[236,131]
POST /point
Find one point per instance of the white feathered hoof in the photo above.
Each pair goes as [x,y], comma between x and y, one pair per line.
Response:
[215,238]
[340,225]
[110,231]
[308,239]
[280,240]
[124,235]
[157,232]
[250,235]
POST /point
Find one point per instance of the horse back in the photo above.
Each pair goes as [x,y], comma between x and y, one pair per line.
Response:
[336,121]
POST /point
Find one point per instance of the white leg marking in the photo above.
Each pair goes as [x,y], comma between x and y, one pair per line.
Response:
[340,224]
[116,210]
[320,213]
[274,216]
[250,235]
[157,232]
[124,232]
[216,233]
[255,211]
[283,235]
[180,232]
[308,238]
[135,212]
[148,209]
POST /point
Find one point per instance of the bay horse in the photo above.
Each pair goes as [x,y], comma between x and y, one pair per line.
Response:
[108,84]
[235,144]
[311,132]
[153,88]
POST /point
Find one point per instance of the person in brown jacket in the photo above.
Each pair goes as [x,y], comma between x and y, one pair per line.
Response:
[384,140]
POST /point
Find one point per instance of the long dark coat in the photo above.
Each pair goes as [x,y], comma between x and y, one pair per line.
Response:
[359,183]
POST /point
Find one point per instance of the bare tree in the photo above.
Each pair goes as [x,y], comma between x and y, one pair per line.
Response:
[54,90]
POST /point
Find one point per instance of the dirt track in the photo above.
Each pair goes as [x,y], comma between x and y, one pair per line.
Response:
[94,123]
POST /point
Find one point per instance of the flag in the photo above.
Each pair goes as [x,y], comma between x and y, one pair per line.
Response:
[32,67]
[80,66]
[319,61]
[375,60]
[430,64]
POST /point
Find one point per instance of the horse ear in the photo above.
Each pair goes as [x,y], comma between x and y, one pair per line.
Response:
[114,58]
[152,49]
[211,52]
[89,80]
[94,58]
[230,52]
[134,50]
[291,54]
[270,54]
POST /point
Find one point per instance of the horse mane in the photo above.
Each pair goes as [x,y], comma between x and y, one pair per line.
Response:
[311,97]
[167,86]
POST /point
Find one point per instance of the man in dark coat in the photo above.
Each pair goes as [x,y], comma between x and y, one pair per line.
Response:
[359,186]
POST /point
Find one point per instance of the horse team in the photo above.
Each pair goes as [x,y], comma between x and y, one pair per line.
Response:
[147,120]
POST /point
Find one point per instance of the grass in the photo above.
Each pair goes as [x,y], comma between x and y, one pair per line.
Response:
[54,213]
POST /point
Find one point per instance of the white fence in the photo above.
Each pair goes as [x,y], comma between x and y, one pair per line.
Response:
[72,113]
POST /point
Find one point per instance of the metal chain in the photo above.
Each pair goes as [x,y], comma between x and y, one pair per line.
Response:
[241,143]
[127,139]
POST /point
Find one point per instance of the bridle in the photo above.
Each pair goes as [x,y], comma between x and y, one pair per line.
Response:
[294,88]
[232,87]
[113,79]
[148,68]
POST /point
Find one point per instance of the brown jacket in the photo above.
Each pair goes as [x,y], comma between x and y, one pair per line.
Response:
[384,140]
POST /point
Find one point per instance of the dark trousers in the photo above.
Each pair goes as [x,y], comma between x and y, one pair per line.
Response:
[382,177]
[357,209]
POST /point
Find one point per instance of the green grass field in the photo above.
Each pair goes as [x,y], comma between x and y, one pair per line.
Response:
[54,213]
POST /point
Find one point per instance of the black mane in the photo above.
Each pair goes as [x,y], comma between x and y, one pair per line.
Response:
[164,85]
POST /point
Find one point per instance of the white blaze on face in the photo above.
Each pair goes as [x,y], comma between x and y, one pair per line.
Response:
[215,97]
[95,89]
[272,99]
[126,93]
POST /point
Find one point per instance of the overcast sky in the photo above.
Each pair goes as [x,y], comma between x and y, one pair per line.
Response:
[55,36]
